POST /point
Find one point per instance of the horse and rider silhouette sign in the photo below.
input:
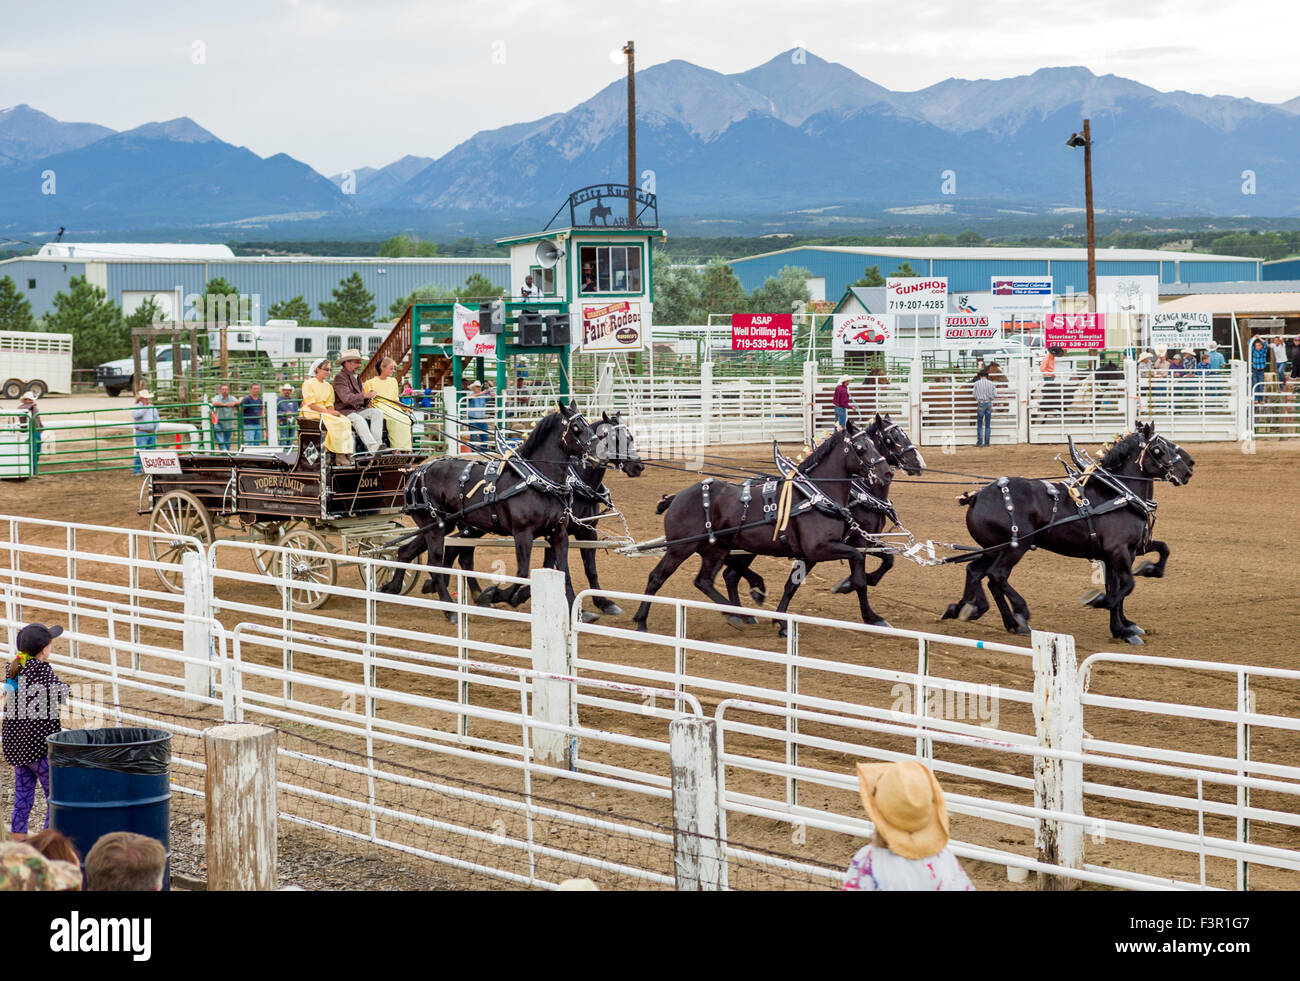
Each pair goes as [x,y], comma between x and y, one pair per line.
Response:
[591,207]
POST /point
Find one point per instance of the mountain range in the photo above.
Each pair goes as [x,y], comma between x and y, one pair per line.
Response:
[797,139]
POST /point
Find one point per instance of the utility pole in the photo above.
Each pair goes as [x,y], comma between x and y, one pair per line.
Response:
[630,50]
[1085,140]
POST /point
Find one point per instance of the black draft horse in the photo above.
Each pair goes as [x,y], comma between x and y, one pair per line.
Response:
[449,493]
[1122,490]
[710,518]
[892,442]
[615,447]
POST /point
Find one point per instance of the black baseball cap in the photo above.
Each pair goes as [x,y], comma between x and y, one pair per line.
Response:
[35,637]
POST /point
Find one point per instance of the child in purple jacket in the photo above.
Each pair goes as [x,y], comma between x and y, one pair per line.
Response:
[31,714]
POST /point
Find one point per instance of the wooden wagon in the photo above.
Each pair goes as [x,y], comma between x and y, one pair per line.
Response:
[298,500]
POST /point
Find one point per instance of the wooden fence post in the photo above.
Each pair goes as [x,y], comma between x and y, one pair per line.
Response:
[240,786]
[1058,784]
[552,700]
[698,861]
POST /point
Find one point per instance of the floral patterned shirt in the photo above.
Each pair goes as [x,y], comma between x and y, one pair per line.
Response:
[880,870]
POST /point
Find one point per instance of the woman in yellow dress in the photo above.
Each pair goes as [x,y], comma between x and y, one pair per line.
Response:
[397,422]
[318,403]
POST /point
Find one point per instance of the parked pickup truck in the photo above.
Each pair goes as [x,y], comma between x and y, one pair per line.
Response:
[119,376]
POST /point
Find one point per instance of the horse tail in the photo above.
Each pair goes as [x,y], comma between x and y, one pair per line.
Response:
[664,503]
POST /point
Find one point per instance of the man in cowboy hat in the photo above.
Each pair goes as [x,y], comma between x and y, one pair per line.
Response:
[1217,360]
[351,400]
[842,402]
[909,850]
[476,413]
[144,418]
[28,403]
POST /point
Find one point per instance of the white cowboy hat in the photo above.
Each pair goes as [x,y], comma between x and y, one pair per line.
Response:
[1212,346]
[1188,350]
[144,393]
[351,354]
[286,385]
[29,397]
[1144,356]
[846,379]
[905,803]
[476,384]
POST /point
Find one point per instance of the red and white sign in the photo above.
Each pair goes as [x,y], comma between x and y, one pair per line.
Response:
[612,326]
[1075,331]
[915,294]
[862,332]
[159,461]
[762,332]
[467,339]
[965,330]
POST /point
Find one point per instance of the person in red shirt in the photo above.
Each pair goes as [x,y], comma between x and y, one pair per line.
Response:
[842,402]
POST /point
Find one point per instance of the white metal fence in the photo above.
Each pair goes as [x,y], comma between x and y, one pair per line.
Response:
[1274,413]
[1045,767]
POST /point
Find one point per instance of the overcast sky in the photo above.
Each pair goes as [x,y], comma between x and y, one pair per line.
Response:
[346,83]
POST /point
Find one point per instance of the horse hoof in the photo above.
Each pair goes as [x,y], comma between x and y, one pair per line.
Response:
[1135,629]
[610,609]
[1148,570]
[1134,639]
[428,587]
[641,627]
[1092,598]
[486,598]
[751,621]
[967,612]
[737,621]
[878,622]
[758,595]
[845,585]
[586,616]
[1022,626]
[781,630]
[950,613]
[451,617]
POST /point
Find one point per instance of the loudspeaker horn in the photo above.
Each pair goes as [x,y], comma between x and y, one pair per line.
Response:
[548,253]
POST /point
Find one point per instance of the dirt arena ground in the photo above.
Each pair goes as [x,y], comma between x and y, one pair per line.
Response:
[1229,595]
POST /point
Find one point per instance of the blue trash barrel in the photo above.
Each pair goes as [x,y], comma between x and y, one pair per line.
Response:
[105,780]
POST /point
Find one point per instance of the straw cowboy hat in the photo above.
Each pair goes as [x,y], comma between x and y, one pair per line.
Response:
[351,354]
[1212,346]
[846,379]
[1144,356]
[31,397]
[1188,350]
[144,393]
[905,804]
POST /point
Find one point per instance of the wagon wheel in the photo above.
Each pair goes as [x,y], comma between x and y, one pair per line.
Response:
[177,513]
[309,567]
[385,576]
[267,533]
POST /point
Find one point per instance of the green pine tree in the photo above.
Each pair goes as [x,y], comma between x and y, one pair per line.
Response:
[147,314]
[779,293]
[295,309]
[15,311]
[353,306]
[222,303]
[720,291]
[871,277]
[677,292]
[95,322]
[905,271]
[478,287]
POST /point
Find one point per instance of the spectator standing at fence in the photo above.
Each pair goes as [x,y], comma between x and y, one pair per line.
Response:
[985,392]
[144,423]
[29,403]
[1217,360]
[31,715]
[126,862]
[909,850]
[476,413]
[253,414]
[286,414]
[223,417]
[1280,360]
[1258,366]
[841,401]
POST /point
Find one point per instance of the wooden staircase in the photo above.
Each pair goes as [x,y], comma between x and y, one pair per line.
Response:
[435,369]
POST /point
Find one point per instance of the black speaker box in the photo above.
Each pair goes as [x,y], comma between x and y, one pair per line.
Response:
[557,329]
[531,329]
[491,317]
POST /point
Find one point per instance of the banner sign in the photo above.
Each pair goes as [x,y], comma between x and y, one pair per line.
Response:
[970,330]
[1016,293]
[1118,295]
[159,461]
[466,338]
[1075,331]
[862,332]
[762,332]
[915,294]
[1180,330]
[971,302]
[612,326]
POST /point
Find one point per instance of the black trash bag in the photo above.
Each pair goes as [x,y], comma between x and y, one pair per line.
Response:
[147,751]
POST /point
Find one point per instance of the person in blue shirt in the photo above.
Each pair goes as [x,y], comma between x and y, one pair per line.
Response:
[1217,360]
[254,412]
[1258,367]
[476,412]
[144,421]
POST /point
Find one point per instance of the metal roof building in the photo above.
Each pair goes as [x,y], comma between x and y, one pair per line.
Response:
[174,272]
[833,268]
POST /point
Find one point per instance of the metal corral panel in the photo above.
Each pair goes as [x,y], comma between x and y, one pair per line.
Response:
[50,277]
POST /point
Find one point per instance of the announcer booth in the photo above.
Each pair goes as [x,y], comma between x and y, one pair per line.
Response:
[593,259]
